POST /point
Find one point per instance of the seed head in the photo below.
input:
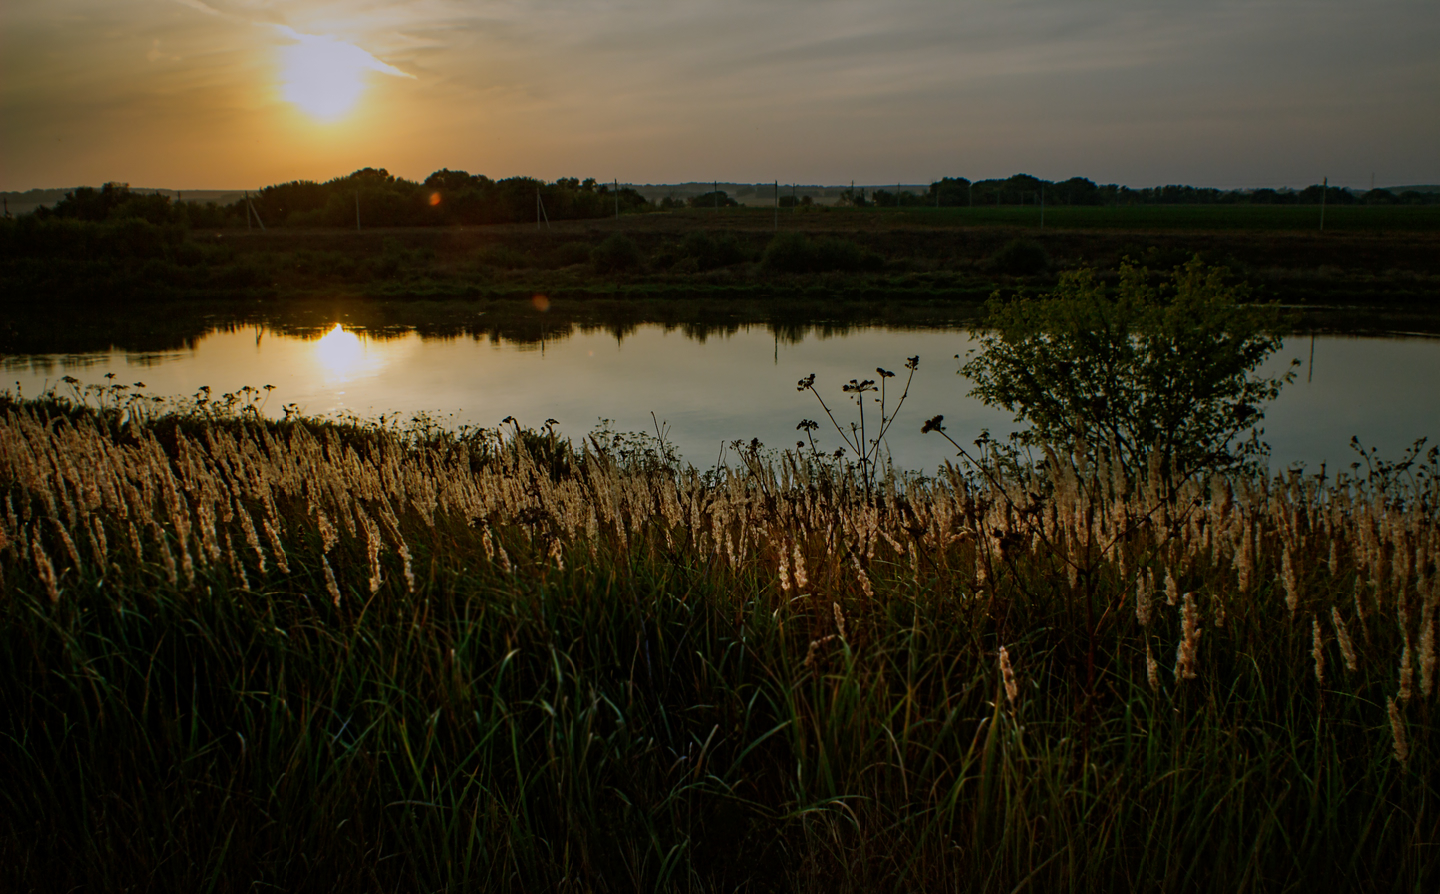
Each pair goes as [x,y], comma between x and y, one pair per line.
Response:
[1342,636]
[1397,731]
[1189,639]
[1007,673]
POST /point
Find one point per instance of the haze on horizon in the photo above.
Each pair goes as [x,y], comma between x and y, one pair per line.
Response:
[201,94]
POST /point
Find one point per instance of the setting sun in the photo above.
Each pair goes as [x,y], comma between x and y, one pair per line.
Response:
[325,77]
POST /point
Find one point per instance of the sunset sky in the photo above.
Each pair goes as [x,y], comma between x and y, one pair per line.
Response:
[195,94]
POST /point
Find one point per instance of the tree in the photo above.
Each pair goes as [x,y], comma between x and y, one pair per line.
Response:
[1165,374]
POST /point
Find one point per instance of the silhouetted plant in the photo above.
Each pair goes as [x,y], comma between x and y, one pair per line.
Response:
[858,442]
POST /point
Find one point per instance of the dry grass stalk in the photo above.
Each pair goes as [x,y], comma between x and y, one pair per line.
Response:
[331,585]
[45,569]
[1342,636]
[1007,674]
[1185,652]
[1397,731]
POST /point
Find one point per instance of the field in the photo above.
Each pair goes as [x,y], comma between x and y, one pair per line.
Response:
[1252,218]
[1370,257]
[244,654]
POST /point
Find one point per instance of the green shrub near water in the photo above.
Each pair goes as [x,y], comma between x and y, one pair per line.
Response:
[242,653]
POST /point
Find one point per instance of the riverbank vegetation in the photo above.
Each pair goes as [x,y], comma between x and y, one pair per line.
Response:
[302,653]
[315,654]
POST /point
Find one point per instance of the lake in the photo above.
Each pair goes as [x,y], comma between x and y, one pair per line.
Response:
[710,387]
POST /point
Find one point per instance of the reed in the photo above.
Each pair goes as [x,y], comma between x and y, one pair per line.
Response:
[316,655]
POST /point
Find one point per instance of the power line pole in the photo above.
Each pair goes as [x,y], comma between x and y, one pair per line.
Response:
[1324,188]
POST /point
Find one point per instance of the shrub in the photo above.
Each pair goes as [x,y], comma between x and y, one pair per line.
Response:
[616,253]
[710,251]
[1021,257]
[1164,373]
[798,253]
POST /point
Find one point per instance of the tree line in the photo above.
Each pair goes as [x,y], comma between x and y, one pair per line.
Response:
[369,197]
[373,197]
[1023,189]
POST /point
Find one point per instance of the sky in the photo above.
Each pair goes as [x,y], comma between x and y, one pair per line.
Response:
[231,94]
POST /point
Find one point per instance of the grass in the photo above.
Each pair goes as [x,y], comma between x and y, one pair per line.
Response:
[243,654]
[1371,256]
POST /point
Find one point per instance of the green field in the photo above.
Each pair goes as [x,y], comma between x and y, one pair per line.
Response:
[1376,258]
[1259,218]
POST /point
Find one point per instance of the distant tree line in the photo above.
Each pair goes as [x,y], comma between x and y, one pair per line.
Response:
[447,197]
[374,195]
[1023,189]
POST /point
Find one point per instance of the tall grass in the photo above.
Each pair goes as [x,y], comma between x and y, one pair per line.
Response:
[242,654]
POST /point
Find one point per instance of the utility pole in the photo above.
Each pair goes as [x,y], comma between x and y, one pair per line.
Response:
[777,206]
[1324,188]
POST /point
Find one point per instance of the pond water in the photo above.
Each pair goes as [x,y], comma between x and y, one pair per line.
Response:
[708,389]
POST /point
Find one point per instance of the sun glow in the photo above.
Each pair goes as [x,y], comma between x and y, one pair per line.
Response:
[325,77]
[341,354]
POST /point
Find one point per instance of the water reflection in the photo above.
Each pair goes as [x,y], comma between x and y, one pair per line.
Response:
[715,372]
[341,356]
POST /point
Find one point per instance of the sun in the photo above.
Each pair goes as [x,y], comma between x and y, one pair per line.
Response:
[325,77]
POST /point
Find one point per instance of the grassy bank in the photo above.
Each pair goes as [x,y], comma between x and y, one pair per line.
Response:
[316,656]
[950,255]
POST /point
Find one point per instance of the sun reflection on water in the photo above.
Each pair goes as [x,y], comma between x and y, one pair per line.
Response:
[342,355]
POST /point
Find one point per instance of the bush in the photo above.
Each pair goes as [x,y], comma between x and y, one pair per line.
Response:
[615,254]
[1021,257]
[1169,374]
[568,254]
[710,251]
[798,253]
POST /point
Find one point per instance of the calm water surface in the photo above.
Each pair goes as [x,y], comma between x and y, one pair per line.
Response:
[736,385]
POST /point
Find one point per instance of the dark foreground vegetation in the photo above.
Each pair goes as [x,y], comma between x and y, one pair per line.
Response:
[312,656]
[940,255]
